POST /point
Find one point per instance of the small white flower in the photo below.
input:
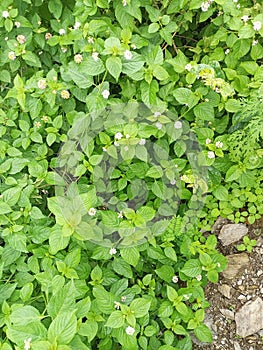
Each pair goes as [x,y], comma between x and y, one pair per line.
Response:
[65,94]
[118,136]
[124,2]
[235,0]
[257,25]
[227,51]
[92,211]
[219,144]
[255,42]
[156,114]
[205,6]
[64,49]
[77,25]
[173,182]
[21,39]
[95,56]
[116,144]
[159,125]
[104,149]
[62,31]
[117,305]
[186,296]
[105,94]
[11,55]
[5,14]
[133,46]
[199,277]
[37,125]
[142,142]
[18,24]
[211,155]
[27,344]
[90,40]
[188,67]
[245,18]
[175,279]
[42,84]
[78,58]
[113,251]
[127,55]
[120,216]
[127,136]
[178,124]
[130,330]
[207,141]
[123,298]
[238,6]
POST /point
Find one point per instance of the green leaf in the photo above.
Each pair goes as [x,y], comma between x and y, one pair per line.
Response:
[104,299]
[55,8]
[6,290]
[221,193]
[155,172]
[114,66]
[149,91]
[165,272]
[88,329]
[203,333]
[24,315]
[131,255]
[186,97]
[110,218]
[192,268]
[233,173]
[116,320]
[204,111]
[160,73]
[153,28]
[212,275]
[122,268]
[4,208]
[63,328]
[140,307]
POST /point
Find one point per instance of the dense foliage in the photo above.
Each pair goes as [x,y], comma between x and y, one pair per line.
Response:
[127,127]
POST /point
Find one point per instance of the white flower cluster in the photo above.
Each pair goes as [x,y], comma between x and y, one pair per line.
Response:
[205,5]
[257,25]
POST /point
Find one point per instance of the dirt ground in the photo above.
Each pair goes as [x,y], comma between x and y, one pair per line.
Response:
[247,285]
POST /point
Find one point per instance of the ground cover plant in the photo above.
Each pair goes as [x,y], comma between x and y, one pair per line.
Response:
[127,127]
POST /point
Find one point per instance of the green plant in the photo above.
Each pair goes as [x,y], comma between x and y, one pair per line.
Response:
[247,244]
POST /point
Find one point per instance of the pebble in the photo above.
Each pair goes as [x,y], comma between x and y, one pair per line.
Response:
[259,273]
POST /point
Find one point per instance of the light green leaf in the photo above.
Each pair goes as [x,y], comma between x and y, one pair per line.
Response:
[63,328]
[114,66]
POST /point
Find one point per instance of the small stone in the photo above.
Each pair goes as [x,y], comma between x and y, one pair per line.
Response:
[259,272]
[249,318]
[218,224]
[225,290]
[237,346]
[236,263]
[241,297]
[231,233]
[239,282]
[228,314]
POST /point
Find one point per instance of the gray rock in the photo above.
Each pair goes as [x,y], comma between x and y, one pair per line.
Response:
[231,233]
[249,318]
[228,314]
[225,290]
[236,264]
